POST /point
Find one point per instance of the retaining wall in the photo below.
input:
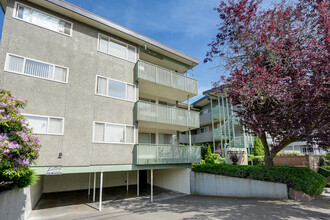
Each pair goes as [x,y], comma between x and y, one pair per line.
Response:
[218,185]
[17,204]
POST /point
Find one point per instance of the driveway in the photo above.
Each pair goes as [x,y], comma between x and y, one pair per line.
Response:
[192,207]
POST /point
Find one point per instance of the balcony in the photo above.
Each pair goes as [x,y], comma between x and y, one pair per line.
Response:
[165,83]
[148,154]
[206,118]
[196,138]
[169,118]
[222,109]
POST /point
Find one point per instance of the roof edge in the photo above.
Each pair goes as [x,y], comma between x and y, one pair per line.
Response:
[122,29]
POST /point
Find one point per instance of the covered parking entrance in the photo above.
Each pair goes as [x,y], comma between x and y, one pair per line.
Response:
[107,187]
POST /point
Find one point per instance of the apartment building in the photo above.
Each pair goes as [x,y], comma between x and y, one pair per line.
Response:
[103,99]
[219,126]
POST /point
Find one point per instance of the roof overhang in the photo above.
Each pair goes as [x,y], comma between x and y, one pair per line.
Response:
[84,16]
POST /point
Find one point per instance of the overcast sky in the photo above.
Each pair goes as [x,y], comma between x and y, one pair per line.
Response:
[185,25]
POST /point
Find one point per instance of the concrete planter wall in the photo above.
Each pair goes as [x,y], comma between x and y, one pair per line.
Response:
[17,204]
[217,185]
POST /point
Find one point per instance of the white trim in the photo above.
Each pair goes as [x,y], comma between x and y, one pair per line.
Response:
[109,39]
[48,122]
[23,67]
[104,135]
[107,88]
[15,12]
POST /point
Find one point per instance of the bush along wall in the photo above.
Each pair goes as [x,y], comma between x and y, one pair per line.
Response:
[298,178]
[323,172]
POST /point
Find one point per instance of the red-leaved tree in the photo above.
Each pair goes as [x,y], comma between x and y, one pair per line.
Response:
[278,61]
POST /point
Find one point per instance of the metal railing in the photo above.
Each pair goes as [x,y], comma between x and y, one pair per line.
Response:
[314,166]
[152,112]
[166,77]
[166,154]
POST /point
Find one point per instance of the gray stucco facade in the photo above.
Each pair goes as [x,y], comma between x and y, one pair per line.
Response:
[77,102]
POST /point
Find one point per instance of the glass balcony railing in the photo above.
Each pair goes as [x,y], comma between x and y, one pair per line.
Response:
[166,77]
[222,109]
[145,154]
[151,112]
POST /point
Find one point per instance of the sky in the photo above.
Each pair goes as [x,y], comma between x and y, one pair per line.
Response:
[185,25]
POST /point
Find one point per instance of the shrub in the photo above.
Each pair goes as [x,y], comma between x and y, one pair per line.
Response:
[288,154]
[221,160]
[324,173]
[209,157]
[299,178]
[233,157]
[18,145]
[255,159]
[203,151]
[258,147]
[325,160]
[216,156]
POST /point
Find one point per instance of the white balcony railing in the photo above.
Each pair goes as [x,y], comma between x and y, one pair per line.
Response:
[166,77]
[146,111]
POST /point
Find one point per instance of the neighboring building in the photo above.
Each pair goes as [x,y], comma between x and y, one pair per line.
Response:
[301,147]
[218,125]
[103,98]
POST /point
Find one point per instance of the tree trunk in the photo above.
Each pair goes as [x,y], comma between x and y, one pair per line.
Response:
[268,156]
[269,161]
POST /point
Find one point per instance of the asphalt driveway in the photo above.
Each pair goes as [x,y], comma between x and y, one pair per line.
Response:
[193,207]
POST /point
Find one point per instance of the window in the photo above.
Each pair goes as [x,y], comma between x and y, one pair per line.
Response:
[117,48]
[204,111]
[113,133]
[35,68]
[114,88]
[45,124]
[147,138]
[42,19]
[205,130]
[167,139]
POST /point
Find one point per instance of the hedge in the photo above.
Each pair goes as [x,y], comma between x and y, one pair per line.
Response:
[298,178]
[324,172]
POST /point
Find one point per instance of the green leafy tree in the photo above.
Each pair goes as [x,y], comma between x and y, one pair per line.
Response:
[209,156]
[258,148]
[19,147]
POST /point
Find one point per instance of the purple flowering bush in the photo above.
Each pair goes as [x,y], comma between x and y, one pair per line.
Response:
[19,147]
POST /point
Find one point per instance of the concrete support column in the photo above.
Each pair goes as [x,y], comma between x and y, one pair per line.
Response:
[220,125]
[94,187]
[212,119]
[189,135]
[152,187]
[137,182]
[89,184]
[101,188]
[127,180]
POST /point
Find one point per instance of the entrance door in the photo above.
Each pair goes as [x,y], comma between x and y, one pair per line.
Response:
[143,179]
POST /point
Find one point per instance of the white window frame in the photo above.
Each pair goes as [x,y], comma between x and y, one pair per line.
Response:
[107,88]
[204,130]
[104,134]
[15,12]
[48,123]
[111,38]
[22,73]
